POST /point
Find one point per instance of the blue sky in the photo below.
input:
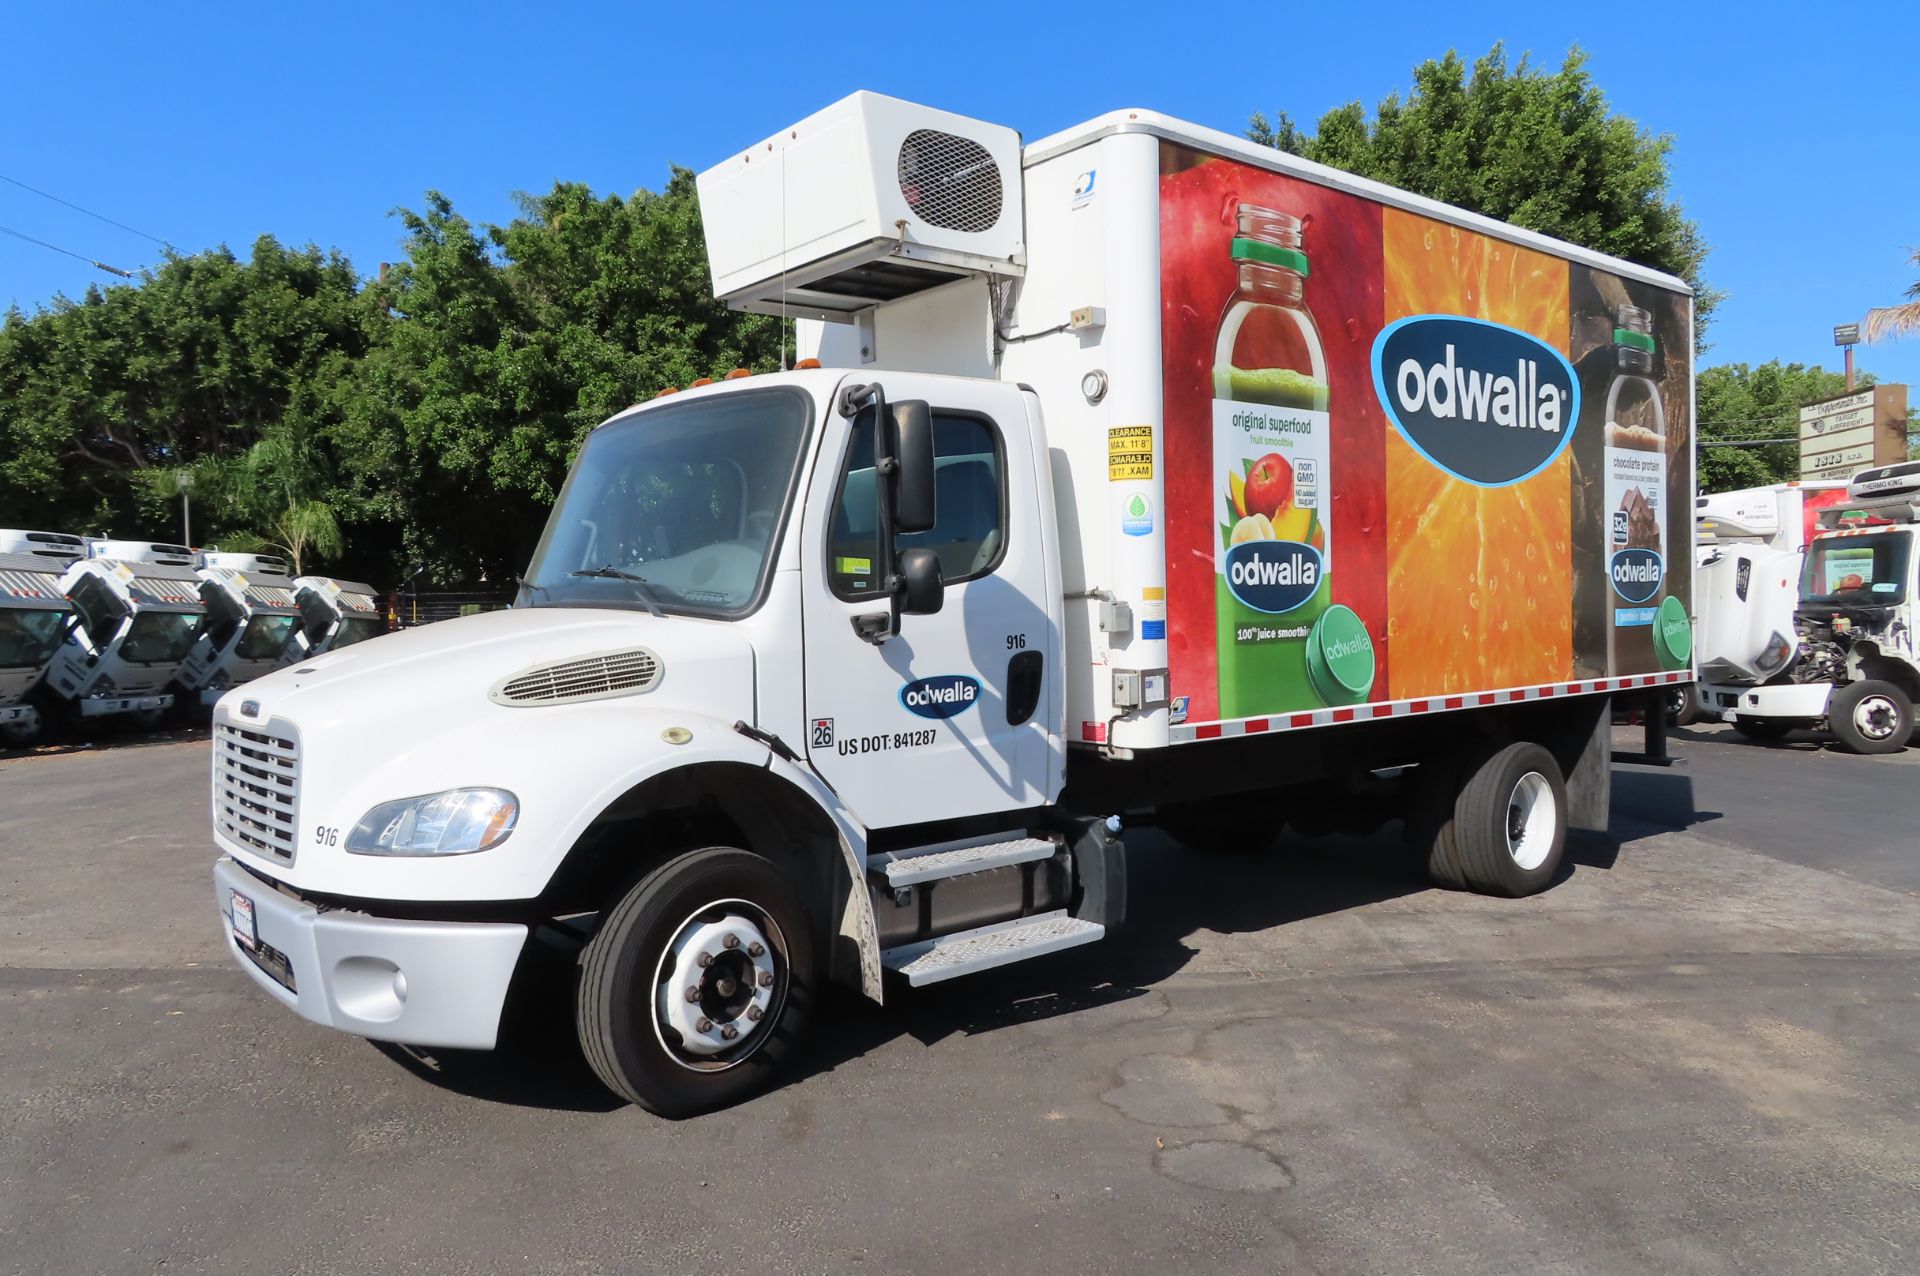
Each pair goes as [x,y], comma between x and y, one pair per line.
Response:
[1797,145]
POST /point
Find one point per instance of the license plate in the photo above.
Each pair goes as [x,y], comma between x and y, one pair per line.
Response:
[242,915]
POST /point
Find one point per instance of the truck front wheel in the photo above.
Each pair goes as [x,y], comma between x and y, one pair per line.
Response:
[696,987]
[1507,829]
[1871,717]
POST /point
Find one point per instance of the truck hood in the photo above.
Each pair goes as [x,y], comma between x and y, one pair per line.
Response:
[422,679]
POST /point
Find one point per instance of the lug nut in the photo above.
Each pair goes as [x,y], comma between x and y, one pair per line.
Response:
[756,950]
[754,1013]
[693,993]
[704,960]
[731,941]
[729,1032]
[766,979]
[703,1025]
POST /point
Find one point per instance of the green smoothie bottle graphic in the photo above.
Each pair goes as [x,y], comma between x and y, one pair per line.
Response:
[1270,465]
[1642,633]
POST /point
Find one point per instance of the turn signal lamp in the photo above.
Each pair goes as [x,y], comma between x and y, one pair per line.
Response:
[672,389]
[804,364]
[696,384]
[737,373]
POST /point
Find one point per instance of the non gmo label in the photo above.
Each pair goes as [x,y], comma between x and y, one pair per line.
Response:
[1136,515]
[1486,403]
[940,697]
[1129,452]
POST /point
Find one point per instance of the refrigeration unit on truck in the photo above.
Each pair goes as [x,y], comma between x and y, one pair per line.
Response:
[333,614]
[250,621]
[55,547]
[33,622]
[137,612]
[1855,671]
[1136,475]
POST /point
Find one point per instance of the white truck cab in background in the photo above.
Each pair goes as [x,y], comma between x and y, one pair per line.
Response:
[1854,669]
[251,618]
[333,614]
[856,672]
[137,614]
[33,623]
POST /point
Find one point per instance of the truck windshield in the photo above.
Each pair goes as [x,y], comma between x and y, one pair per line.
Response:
[265,638]
[1862,571]
[688,497]
[357,629]
[27,638]
[160,637]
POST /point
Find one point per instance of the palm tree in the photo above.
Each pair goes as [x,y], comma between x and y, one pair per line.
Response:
[1897,321]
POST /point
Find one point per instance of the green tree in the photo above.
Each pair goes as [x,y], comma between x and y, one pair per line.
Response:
[1738,406]
[508,344]
[1542,151]
[194,363]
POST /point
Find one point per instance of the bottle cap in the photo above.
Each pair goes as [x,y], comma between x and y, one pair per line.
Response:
[1672,634]
[1340,662]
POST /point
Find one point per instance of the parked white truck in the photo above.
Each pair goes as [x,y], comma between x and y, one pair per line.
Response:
[1855,670]
[33,622]
[333,614]
[1136,474]
[137,612]
[251,617]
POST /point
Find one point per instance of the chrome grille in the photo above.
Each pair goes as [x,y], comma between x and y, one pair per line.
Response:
[256,787]
[613,673]
[949,181]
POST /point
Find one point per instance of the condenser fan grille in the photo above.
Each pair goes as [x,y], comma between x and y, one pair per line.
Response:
[950,181]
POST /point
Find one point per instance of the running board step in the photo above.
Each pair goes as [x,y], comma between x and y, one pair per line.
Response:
[970,951]
[911,870]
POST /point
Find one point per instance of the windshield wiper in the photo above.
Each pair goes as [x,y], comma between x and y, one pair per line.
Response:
[641,589]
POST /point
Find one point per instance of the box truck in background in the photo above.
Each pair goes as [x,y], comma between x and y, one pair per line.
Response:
[251,617]
[33,623]
[137,613]
[1133,475]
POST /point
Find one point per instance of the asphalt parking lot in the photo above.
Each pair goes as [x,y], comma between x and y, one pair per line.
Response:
[1699,1053]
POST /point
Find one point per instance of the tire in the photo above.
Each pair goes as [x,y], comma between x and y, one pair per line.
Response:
[1507,831]
[1762,728]
[1871,717]
[1430,798]
[1683,710]
[148,719]
[22,732]
[1221,825]
[712,902]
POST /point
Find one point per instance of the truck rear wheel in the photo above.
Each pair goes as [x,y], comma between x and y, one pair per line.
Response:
[1507,830]
[698,984]
[1871,717]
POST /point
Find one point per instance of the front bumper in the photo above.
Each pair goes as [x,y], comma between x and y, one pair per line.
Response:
[1802,701]
[101,706]
[417,983]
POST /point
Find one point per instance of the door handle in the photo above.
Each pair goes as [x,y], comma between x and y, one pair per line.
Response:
[1025,674]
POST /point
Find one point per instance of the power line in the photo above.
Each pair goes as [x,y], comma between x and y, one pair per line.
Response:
[98,265]
[134,230]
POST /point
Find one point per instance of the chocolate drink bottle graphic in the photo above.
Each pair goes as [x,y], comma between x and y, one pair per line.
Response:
[1271,452]
[1634,507]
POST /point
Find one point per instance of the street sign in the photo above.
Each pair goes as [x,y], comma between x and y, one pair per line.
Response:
[1853,431]
[1846,334]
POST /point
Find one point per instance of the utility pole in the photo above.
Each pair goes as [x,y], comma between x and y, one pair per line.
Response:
[184,482]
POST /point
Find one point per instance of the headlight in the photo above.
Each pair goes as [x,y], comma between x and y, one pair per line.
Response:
[456,822]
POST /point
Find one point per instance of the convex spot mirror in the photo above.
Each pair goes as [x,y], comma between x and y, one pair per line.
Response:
[911,448]
[922,590]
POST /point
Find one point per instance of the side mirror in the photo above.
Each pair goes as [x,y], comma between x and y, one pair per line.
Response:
[912,451]
[922,589]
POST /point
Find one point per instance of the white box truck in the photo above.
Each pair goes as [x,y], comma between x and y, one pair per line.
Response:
[1132,475]
[137,612]
[33,623]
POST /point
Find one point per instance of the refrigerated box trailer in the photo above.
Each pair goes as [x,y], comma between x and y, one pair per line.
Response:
[1135,475]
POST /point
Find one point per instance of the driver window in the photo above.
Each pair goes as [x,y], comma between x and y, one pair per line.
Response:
[969,531]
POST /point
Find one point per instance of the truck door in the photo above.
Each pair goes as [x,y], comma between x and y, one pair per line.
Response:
[952,716]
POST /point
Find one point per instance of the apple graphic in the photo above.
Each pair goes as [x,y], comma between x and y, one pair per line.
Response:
[1269,485]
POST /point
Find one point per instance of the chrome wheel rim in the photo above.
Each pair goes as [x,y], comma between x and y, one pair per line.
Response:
[719,986]
[1530,821]
[1876,718]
